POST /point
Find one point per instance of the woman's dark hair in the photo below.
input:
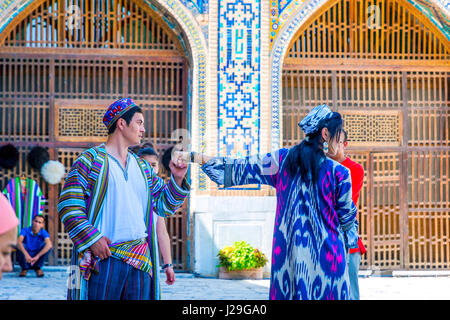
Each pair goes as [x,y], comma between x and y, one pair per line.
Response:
[167,156]
[305,158]
[345,135]
[147,152]
[165,159]
[127,116]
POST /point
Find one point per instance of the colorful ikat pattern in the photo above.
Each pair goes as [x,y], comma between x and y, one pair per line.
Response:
[312,224]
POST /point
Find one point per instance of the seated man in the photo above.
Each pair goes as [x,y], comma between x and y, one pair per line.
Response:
[33,246]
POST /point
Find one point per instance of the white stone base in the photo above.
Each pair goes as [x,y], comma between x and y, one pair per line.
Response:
[220,221]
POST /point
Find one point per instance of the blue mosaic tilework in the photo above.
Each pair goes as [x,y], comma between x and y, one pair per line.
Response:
[239,77]
[202,6]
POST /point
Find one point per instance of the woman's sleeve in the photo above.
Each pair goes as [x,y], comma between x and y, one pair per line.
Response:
[256,169]
[345,208]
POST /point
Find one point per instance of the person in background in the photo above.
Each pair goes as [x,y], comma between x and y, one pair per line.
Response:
[135,149]
[8,234]
[357,176]
[151,156]
[33,246]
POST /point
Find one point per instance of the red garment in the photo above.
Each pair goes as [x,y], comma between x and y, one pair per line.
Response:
[357,175]
[360,248]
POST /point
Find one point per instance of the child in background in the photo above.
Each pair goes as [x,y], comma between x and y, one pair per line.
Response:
[151,156]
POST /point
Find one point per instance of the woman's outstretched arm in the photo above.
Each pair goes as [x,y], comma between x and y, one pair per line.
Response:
[256,169]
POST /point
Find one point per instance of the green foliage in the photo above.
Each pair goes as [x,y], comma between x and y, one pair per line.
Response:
[241,256]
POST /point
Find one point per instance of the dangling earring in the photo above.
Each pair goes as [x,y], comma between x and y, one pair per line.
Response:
[325,147]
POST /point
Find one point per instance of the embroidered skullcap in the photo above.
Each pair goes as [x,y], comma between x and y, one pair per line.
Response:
[116,110]
[310,123]
[8,219]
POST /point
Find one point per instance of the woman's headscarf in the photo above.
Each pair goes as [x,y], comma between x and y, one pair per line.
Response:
[310,123]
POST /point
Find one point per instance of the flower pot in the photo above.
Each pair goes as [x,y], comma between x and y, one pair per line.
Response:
[252,274]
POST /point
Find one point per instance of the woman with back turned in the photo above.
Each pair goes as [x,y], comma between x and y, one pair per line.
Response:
[315,213]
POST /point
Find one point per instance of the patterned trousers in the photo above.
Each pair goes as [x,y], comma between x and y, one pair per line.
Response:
[118,280]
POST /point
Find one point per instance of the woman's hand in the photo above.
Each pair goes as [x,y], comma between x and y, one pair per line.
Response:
[170,275]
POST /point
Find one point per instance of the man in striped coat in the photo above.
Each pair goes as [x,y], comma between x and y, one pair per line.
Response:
[106,207]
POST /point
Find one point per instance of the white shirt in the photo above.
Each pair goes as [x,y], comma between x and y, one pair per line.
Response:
[122,217]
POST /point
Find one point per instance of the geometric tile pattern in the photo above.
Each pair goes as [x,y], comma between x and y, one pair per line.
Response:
[239,79]
[201,6]
[280,11]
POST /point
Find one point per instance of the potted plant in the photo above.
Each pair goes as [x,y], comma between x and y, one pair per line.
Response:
[241,261]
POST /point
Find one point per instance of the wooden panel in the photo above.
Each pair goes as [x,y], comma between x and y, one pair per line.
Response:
[373,128]
[67,157]
[24,99]
[386,211]
[393,93]
[364,207]
[368,89]
[376,92]
[428,108]
[56,83]
[24,78]
[346,29]
[85,78]
[429,214]
[90,24]
[80,121]
[24,120]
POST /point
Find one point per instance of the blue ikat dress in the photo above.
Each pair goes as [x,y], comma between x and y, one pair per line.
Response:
[313,223]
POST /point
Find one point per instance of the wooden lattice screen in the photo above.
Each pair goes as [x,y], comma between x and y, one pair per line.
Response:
[113,24]
[392,89]
[56,82]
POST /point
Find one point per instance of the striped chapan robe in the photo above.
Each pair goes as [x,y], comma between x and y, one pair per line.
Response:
[81,202]
[27,205]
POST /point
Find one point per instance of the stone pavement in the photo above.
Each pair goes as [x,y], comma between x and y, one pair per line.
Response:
[190,287]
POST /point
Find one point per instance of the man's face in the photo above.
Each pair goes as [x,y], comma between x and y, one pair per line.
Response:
[153,161]
[38,223]
[134,132]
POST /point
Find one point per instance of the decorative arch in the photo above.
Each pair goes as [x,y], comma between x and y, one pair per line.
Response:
[178,22]
[199,86]
[389,81]
[181,21]
[437,12]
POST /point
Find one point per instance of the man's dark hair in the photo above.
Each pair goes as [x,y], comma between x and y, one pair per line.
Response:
[39,216]
[127,116]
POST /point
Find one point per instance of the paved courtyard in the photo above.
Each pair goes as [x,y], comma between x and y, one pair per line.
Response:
[189,287]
